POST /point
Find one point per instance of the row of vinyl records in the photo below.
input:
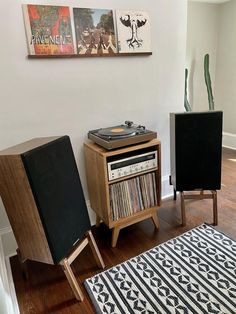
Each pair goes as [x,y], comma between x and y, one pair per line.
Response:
[133,195]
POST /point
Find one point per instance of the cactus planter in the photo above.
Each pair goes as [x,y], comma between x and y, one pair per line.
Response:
[208,82]
[208,86]
[186,103]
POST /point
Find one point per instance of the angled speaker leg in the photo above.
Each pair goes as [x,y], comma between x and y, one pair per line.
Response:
[183,213]
[95,250]
[174,194]
[66,262]
[72,280]
[215,210]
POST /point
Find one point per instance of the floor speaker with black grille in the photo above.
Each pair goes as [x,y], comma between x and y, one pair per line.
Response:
[196,141]
[43,197]
[195,150]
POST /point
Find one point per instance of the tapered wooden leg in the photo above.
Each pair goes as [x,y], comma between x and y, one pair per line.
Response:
[72,280]
[98,221]
[174,194]
[215,210]
[183,213]
[95,250]
[155,220]
[66,262]
[115,234]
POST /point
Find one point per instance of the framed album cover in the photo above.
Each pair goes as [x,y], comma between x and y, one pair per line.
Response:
[133,31]
[48,29]
[94,31]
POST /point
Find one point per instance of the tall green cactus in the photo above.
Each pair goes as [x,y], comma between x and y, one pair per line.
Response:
[208,82]
[186,103]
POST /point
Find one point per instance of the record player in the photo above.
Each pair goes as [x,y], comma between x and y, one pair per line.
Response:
[121,135]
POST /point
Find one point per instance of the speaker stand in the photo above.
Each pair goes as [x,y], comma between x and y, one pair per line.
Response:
[66,262]
[212,195]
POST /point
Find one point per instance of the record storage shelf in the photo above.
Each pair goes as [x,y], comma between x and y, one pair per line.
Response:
[99,186]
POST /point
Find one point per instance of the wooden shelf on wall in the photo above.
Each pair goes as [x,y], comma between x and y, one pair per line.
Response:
[89,55]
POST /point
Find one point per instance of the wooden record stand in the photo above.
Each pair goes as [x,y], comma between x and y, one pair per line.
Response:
[96,160]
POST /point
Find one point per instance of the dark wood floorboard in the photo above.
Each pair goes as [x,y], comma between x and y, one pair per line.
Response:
[47,290]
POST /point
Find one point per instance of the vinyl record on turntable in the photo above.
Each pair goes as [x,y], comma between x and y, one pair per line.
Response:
[117,132]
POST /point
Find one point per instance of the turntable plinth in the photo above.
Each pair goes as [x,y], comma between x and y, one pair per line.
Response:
[127,199]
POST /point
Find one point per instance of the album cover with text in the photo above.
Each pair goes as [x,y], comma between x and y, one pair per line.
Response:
[48,29]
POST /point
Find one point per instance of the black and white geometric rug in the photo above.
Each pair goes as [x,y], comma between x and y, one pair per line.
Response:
[193,273]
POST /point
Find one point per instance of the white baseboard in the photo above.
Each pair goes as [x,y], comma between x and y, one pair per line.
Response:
[11,285]
[229,140]
[7,294]
[167,189]
[5,230]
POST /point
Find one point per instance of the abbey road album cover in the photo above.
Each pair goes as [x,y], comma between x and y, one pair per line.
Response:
[48,29]
[133,31]
[95,31]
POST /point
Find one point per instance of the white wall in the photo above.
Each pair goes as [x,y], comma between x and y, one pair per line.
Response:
[226,66]
[202,38]
[72,96]
[211,29]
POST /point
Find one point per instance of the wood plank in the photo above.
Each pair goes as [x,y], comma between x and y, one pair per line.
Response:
[120,54]
[96,175]
[107,153]
[72,280]
[22,211]
[70,259]
[95,250]
[134,218]
[28,145]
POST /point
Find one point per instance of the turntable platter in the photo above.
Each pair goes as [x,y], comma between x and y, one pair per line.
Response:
[117,132]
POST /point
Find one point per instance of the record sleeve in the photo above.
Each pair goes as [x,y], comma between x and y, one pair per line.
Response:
[48,29]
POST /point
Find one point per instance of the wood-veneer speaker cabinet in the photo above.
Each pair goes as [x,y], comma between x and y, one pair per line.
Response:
[128,199]
[43,197]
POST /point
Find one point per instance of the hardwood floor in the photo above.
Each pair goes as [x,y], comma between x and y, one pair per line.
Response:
[47,290]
